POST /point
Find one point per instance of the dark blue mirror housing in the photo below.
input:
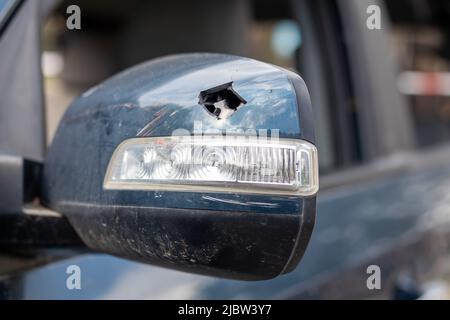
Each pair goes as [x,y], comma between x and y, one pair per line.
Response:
[203,163]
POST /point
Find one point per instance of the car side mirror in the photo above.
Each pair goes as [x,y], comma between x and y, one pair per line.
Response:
[203,163]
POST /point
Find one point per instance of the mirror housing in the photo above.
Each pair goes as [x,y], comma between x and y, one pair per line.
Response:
[247,228]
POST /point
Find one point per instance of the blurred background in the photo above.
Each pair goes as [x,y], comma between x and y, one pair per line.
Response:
[119,34]
[381,102]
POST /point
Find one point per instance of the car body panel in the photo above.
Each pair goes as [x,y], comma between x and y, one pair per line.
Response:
[356,226]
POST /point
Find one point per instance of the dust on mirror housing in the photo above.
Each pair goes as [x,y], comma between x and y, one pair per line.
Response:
[203,163]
